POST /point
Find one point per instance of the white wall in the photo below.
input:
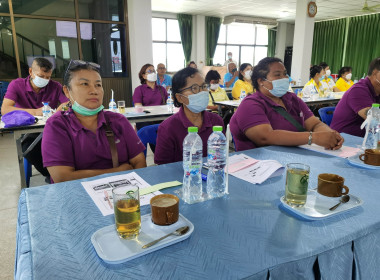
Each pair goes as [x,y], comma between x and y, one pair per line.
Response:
[140,36]
[284,38]
[198,51]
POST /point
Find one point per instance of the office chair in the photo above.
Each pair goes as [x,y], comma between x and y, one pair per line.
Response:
[326,114]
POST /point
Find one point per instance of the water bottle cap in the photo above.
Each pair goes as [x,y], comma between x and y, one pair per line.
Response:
[192,129]
[45,103]
[217,128]
[112,100]
[375,105]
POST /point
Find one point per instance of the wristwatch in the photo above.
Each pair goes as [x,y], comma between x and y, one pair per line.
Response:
[310,138]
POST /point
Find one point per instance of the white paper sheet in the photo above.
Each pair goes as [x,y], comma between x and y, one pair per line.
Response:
[343,152]
[258,172]
[99,189]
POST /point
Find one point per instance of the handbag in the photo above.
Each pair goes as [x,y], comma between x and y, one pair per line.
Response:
[111,140]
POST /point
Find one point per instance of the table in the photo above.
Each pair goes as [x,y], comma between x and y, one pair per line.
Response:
[244,235]
[156,113]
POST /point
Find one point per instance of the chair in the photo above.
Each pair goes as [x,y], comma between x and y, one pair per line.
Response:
[326,114]
[148,134]
[27,164]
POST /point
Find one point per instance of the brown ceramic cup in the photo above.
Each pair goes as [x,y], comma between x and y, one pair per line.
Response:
[371,156]
[165,209]
[331,185]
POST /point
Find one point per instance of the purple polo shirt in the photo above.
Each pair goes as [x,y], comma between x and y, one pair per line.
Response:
[149,97]
[257,109]
[21,92]
[172,132]
[66,142]
[356,98]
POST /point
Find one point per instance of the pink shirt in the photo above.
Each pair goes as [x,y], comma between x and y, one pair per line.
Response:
[66,142]
[148,96]
[356,98]
[21,92]
[172,132]
[257,109]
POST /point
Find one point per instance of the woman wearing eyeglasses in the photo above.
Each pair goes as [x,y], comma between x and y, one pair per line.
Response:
[149,93]
[190,93]
[75,144]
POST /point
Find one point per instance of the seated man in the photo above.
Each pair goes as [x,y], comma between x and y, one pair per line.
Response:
[28,94]
[352,109]
[163,79]
[231,77]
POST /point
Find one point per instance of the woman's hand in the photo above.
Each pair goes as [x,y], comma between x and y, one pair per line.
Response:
[124,167]
[331,140]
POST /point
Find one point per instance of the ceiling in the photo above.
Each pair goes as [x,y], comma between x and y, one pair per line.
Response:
[284,10]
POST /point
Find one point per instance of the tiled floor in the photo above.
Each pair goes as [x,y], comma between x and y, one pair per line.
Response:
[10,191]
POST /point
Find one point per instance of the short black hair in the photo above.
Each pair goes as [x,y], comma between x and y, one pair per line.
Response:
[323,65]
[179,81]
[242,68]
[212,75]
[43,63]
[314,70]
[375,64]
[343,70]
[261,70]
[70,71]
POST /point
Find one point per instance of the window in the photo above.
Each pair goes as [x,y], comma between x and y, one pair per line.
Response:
[167,47]
[52,8]
[101,9]
[247,42]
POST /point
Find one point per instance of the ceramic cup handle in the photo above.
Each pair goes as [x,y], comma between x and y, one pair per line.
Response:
[362,157]
[346,189]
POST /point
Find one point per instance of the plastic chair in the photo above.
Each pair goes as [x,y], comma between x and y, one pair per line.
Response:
[326,114]
[148,134]
[28,171]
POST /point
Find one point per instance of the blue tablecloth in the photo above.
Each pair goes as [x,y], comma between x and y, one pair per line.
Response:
[244,235]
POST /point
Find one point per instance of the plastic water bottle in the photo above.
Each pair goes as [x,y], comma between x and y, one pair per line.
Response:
[46,110]
[372,123]
[299,82]
[192,165]
[242,95]
[169,102]
[112,105]
[216,160]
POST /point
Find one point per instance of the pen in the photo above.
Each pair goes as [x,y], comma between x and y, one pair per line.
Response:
[107,198]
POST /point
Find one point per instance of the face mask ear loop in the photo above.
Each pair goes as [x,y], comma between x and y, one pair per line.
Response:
[265,87]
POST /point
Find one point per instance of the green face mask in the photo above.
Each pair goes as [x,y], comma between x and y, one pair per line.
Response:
[83,110]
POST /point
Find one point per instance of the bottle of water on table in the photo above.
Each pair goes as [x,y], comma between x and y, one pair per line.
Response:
[169,101]
[242,95]
[192,165]
[112,105]
[46,111]
[216,160]
[372,123]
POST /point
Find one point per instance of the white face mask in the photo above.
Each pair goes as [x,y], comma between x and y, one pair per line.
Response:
[214,86]
[151,77]
[40,82]
[328,72]
[248,74]
[349,76]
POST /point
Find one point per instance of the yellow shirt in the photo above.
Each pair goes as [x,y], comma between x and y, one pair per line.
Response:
[219,95]
[239,86]
[328,84]
[342,85]
[309,87]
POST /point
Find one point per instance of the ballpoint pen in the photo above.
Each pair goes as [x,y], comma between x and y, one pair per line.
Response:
[107,198]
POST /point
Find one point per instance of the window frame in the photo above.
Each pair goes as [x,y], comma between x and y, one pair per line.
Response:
[226,45]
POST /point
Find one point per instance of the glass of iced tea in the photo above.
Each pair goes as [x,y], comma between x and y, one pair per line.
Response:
[126,202]
[121,106]
[297,182]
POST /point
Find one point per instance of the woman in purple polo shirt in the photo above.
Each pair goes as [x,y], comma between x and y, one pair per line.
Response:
[149,93]
[191,95]
[75,144]
[260,121]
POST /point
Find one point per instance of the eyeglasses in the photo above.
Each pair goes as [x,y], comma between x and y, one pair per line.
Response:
[75,63]
[150,71]
[195,88]
[161,68]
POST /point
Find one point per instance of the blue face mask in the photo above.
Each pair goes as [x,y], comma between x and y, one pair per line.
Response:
[198,102]
[83,110]
[280,87]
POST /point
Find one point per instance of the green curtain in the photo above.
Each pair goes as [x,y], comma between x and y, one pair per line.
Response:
[212,35]
[363,43]
[185,29]
[328,43]
[271,42]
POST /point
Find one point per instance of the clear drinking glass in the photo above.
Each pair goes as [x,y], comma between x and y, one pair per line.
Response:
[121,106]
[297,182]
